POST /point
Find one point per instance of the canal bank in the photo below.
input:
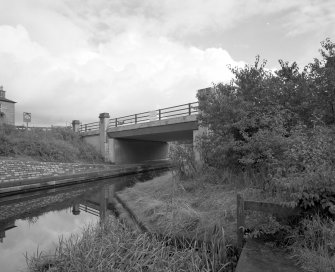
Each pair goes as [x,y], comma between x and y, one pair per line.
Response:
[35,220]
[22,176]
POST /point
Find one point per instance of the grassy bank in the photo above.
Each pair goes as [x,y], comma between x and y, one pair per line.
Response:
[57,144]
[113,246]
[196,207]
[202,208]
[189,208]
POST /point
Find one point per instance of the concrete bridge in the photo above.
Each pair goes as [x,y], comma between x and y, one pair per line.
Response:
[143,136]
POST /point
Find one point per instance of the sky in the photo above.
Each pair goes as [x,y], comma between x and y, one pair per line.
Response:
[70,60]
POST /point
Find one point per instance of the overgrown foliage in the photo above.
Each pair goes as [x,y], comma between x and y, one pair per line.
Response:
[280,124]
[253,118]
[182,158]
[57,144]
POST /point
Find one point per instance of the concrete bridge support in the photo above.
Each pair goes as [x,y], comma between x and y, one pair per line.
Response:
[103,140]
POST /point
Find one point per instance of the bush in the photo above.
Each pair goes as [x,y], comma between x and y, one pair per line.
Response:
[58,144]
[280,124]
[182,158]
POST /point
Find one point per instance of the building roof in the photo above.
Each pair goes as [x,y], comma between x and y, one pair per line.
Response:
[6,100]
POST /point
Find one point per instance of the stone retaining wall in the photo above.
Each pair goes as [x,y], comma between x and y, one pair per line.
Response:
[36,206]
[16,170]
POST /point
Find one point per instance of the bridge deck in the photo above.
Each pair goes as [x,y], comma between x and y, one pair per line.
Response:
[178,128]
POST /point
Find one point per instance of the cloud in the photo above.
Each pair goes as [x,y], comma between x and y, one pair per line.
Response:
[72,59]
[129,74]
[316,17]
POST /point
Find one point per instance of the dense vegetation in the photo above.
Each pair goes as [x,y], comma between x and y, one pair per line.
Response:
[279,125]
[57,144]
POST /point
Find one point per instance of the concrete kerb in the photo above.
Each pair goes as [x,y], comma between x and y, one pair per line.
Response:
[15,187]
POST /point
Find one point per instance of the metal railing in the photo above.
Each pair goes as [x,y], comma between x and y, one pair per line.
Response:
[88,209]
[89,127]
[160,114]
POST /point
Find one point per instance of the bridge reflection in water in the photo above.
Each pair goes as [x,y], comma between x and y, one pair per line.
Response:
[97,199]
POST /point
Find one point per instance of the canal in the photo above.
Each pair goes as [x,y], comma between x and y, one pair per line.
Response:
[35,221]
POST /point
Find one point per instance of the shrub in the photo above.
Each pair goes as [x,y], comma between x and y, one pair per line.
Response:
[182,157]
[58,144]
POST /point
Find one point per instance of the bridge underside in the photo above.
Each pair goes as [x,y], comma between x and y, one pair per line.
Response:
[148,141]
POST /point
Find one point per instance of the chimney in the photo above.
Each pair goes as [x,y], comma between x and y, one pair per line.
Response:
[2,92]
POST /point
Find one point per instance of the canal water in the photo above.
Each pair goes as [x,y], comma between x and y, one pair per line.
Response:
[35,221]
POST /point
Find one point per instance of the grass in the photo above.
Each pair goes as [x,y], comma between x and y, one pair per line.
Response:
[314,244]
[194,208]
[189,208]
[58,144]
[113,246]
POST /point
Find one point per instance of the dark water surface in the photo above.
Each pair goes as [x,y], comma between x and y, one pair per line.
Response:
[35,221]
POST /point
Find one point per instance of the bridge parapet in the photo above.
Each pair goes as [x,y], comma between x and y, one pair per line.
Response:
[143,117]
[156,115]
[89,127]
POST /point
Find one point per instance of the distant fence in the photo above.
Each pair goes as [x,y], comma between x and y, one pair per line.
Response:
[160,114]
[148,116]
[24,128]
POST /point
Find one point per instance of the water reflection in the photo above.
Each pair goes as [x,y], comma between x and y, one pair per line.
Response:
[36,220]
[5,226]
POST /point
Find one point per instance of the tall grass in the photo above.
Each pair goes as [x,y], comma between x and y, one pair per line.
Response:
[113,246]
[58,144]
[314,244]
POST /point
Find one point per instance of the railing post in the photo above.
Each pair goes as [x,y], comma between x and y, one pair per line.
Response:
[240,224]
[115,122]
[159,114]
[75,125]
[189,108]
[135,118]
[85,127]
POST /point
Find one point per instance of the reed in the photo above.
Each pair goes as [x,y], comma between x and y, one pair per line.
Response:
[113,246]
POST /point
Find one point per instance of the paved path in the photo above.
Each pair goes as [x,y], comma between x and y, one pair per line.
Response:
[257,257]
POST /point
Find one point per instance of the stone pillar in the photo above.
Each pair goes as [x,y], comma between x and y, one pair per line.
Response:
[75,209]
[104,118]
[75,125]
